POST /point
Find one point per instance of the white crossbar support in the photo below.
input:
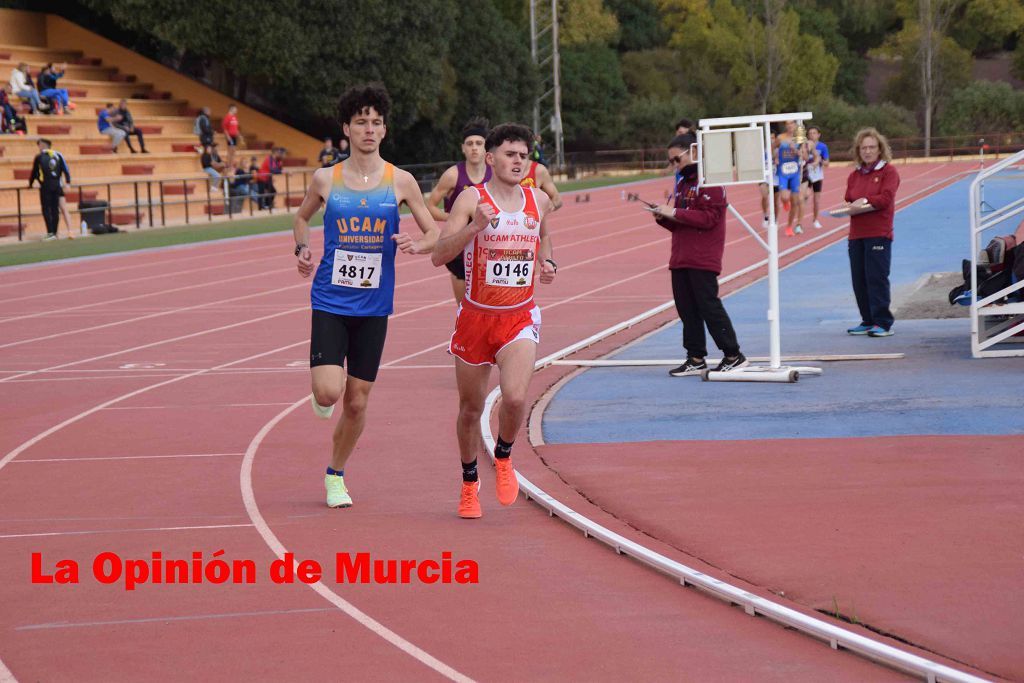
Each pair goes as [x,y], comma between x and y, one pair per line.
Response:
[763,121]
[668,362]
[984,336]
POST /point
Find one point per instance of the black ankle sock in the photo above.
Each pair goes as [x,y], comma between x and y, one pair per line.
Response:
[469,471]
[503,448]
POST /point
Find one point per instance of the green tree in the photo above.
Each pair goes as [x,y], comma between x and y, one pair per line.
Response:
[983,107]
[586,22]
[984,26]
[822,21]
[743,61]
[593,95]
[951,71]
[640,25]
[839,121]
[653,74]
[649,121]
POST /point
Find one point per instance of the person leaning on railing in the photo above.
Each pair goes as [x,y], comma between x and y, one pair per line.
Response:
[871,204]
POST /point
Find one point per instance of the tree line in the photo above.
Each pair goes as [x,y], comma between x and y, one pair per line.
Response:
[630,68]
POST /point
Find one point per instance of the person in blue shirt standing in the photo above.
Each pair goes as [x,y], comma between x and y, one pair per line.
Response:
[816,167]
[353,290]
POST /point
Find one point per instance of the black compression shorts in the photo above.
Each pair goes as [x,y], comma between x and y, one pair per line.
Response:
[359,339]
[457,266]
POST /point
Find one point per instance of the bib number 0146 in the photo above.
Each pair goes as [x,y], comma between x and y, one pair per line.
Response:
[509,273]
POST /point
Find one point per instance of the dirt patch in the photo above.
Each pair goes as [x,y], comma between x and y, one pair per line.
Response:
[928,298]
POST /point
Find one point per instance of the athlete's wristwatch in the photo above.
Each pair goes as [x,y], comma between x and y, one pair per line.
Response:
[299,248]
[553,264]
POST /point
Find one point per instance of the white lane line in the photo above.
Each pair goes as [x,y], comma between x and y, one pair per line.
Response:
[118,283]
[249,499]
[122,531]
[5,674]
[163,620]
[131,457]
[201,406]
[753,604]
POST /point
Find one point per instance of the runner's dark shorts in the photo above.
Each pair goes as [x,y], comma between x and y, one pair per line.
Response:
[457,266]
[816,185]
[360,339]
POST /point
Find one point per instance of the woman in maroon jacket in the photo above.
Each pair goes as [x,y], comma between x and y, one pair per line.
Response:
[696,220]
[871,202]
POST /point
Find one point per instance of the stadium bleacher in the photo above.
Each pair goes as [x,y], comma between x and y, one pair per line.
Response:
[164,104]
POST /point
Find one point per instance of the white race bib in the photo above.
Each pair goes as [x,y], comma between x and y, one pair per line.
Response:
[790,167]
[510,273]
[356,269]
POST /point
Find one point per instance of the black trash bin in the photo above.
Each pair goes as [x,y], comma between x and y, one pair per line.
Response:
[94,213]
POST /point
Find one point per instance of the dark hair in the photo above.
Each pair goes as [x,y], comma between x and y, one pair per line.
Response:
[683,141]
[360,97]
[476,126]
[45,142]
[810,128]
[329,139]
[109,105]
[685,123]
[508,132]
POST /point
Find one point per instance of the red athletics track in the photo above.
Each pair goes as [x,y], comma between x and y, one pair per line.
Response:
[136,383]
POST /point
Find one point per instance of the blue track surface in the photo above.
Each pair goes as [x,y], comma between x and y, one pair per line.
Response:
[937,389]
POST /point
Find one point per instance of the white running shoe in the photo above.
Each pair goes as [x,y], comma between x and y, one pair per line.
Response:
[319,410]
[337,494]
[817,225]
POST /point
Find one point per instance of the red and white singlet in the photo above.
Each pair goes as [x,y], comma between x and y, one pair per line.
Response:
[502,259]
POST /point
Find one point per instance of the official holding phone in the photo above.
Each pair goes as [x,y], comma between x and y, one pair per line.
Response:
[696,220]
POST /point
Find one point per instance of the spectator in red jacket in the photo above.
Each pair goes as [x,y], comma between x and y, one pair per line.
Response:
[230,127]
[871,201]
[270,167]
[696,220]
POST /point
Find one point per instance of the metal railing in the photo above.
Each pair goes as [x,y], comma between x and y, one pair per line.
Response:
[988,145]
[231,197]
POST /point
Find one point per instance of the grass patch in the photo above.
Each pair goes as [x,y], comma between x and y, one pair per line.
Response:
[35,251]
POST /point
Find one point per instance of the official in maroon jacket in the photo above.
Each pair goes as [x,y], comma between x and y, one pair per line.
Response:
[696,220]
[871,199]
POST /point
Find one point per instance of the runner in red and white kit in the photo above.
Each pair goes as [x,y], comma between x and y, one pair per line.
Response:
[499,227]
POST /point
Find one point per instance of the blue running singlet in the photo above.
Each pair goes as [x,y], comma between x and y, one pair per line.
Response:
[356,275]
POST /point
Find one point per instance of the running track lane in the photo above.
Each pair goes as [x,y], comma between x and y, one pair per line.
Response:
[110,496]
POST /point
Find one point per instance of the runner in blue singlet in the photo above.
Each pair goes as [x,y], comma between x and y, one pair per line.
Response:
[354,288]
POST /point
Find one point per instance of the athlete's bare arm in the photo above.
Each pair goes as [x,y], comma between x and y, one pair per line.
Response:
[469,216]
[408,190]
[311,203]
[547,184]
[546,250]
[444,187]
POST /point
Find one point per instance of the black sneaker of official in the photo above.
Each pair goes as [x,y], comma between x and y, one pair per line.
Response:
[733,363]
[690,367]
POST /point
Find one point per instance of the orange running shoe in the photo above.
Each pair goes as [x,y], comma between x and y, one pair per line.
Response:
[469,502]
[506,482]
[789,232]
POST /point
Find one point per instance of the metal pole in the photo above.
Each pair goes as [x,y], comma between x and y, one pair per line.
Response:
[149,200]
[21,227]
[533,54]
[138,216]
[163,211]
[774,323]
[556,66]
